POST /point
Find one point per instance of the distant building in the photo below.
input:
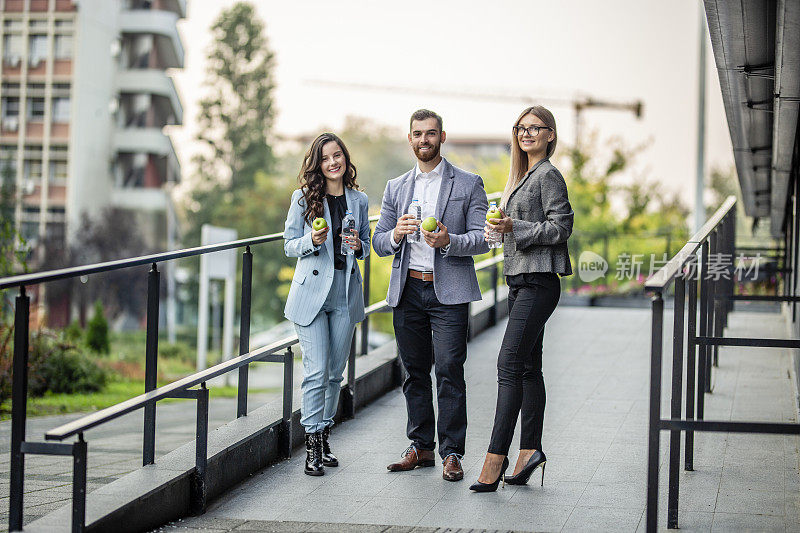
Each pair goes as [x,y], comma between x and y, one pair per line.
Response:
[84,97]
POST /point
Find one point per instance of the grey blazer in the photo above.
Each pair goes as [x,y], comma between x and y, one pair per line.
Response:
[461,207]
[542,221]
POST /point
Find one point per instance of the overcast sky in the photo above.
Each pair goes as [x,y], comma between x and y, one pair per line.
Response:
[622,50]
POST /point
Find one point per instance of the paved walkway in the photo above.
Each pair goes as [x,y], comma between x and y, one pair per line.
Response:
[596,369]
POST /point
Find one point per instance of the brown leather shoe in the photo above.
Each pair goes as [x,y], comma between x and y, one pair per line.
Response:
[413,458]
[452,470]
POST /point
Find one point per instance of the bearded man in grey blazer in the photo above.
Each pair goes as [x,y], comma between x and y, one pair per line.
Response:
[431,285]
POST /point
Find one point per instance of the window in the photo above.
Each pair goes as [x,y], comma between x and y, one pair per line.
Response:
[10,107]
[58,172]
[38,49]
[12,50]
[12,25]
[63,46]
[36,109]
[38,24]
[32,170]
[65,24]
[60,109]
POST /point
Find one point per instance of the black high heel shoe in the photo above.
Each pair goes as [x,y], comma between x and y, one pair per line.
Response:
[491,487]
[522,477]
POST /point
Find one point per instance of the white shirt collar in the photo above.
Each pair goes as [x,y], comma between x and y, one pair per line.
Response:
[437,170]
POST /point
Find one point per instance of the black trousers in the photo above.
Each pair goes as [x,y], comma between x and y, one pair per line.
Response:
[532,298]
[430,333]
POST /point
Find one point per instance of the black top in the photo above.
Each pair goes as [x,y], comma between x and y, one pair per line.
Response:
[338,207]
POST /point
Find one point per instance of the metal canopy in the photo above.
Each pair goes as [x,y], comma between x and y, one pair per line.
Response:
[757,53]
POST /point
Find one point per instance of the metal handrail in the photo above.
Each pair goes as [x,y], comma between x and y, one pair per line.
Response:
[137,402]
[662,278]
[712,223]
[72,272]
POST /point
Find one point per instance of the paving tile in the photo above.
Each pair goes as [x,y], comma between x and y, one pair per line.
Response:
[392,510]
[731,522]
[602,519]
[331,508]
[616,495]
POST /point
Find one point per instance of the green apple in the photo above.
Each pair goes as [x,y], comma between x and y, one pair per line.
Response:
[492,214]
[429,224]
[319,223]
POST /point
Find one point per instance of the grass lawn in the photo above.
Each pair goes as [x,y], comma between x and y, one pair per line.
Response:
[115,392]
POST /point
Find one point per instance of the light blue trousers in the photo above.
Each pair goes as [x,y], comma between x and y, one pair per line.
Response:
[325,344]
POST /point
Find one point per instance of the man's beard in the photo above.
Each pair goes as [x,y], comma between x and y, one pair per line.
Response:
[427,156]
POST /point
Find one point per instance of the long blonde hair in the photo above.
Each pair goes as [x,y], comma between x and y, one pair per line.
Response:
[519,159]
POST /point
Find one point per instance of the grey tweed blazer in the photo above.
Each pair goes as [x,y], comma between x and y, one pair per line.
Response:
[542,223]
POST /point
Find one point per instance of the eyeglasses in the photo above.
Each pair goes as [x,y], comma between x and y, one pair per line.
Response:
[533,131]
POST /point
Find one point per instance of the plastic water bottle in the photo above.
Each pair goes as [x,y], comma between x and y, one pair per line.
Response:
[348,230]
[494,239]
[416,211]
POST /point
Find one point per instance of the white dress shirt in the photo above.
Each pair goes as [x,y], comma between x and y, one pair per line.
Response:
[426,191]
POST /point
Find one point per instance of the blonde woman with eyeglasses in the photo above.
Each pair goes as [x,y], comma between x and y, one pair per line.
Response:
[536,221]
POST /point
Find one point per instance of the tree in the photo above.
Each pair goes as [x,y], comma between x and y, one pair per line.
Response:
[236,117]
[235,184]
[113,234]
[12,245]
[97,331]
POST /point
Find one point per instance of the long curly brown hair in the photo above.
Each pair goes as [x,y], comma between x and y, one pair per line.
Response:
[312,181]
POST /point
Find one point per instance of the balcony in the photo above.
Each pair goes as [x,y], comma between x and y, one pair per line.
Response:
[162,25]
[139,199]
[176,6]
[155,82]
[144,140]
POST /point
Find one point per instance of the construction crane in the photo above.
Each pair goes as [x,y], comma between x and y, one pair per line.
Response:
[578,103]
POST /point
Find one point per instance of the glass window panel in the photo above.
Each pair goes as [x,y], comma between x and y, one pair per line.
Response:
[60,109]
[38,49]
[10,107]
[12,49]
[63,46]
[35,108]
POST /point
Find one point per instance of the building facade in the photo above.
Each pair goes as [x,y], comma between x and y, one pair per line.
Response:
[85,96]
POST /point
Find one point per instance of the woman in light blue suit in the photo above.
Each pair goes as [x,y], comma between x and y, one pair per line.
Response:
[325,300]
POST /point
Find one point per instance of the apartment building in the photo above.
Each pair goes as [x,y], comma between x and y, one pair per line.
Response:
[85,95]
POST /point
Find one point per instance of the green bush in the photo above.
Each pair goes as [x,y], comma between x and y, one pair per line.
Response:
[73,332]
[97,331]
[59,367]
[179,351]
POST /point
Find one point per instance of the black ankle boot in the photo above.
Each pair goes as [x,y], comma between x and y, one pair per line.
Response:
[314,465]
[328,459]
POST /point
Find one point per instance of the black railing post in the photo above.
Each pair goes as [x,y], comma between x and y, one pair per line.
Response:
[702,351]
[349,392]
[793,261]
[244,330]
[654,422]
[719,292]
[712,291]
[675,412]
[288,362]
[199,492]
[366,288]
[19,403]
[691,373]
[79,485]
[151,365]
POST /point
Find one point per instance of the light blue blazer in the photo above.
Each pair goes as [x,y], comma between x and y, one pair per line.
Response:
[313,274]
